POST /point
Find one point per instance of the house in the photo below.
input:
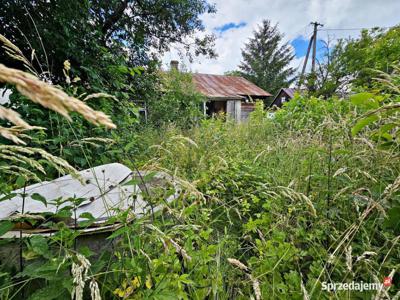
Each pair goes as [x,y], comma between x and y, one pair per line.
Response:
[284,95]
[232,95]
[4,95]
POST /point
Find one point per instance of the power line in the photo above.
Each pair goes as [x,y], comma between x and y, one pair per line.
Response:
[353,29]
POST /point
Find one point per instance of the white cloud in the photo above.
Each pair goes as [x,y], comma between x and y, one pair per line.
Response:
[293,17]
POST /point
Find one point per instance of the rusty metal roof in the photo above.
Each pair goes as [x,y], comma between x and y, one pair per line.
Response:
[226,87]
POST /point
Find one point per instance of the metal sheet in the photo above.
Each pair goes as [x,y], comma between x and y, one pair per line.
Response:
[229,87]
[102,188]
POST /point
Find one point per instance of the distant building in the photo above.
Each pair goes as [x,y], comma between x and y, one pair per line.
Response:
[4,95]
[232,95]
[284,95]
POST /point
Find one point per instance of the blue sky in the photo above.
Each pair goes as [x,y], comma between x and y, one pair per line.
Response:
[228,26]
[235,21]
[300,45]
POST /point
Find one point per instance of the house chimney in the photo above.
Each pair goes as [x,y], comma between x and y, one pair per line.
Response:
[174,64]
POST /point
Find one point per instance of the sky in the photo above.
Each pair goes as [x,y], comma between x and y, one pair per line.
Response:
[236,20]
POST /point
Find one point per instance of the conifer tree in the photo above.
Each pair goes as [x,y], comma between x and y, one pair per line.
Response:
[266,59]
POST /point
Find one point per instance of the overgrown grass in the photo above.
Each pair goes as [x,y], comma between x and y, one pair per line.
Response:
[297,195]
[270,209]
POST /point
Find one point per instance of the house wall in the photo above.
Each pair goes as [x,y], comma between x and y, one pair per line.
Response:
[233,109]
[278,99]
[247,108]
[4,96]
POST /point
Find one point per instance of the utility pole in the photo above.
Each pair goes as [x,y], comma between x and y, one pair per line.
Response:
[316,24]
[312,43]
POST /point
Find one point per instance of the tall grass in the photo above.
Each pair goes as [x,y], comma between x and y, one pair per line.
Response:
[304,199]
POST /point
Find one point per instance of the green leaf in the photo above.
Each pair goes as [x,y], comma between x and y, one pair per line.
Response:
[118,232]
[64,212]
[39,198]
[387,127]
[38,269]
[20,182]
[143,179]
[165,295]
[134,181]
[87,215]
[5,226]
[365,100]
[39,245]
[8,196]
[362,123]
[149,176]
[393,219]
[52,291]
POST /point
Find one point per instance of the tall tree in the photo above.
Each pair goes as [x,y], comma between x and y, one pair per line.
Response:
[100,36]
[353,63]
[266,59]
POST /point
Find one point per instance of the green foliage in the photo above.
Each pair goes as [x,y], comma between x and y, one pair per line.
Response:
[266,61]
[376,49]
[275,205]
[286,196]
[380,111]
[95,34]
[179,103]
[353,63]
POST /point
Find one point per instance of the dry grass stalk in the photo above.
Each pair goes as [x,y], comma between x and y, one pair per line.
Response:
[94,290]
[18,154]
[180,250]
[365,255]
[93,141]
[238,264]
[306,296]
[349,259]
[13,117]
[14,52]
[246,269]
[256,286]
[382,293]
[51,97]
[80,276]
[100,95]
[391,188]
[12,134]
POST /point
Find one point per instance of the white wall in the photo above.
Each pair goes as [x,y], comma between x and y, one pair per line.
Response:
[4,96]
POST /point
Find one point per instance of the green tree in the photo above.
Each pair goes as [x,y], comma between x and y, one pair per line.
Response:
[353,63]
[376,49]
[266,59]
[109,46]
[330,77]
[100,36]
[179,103]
